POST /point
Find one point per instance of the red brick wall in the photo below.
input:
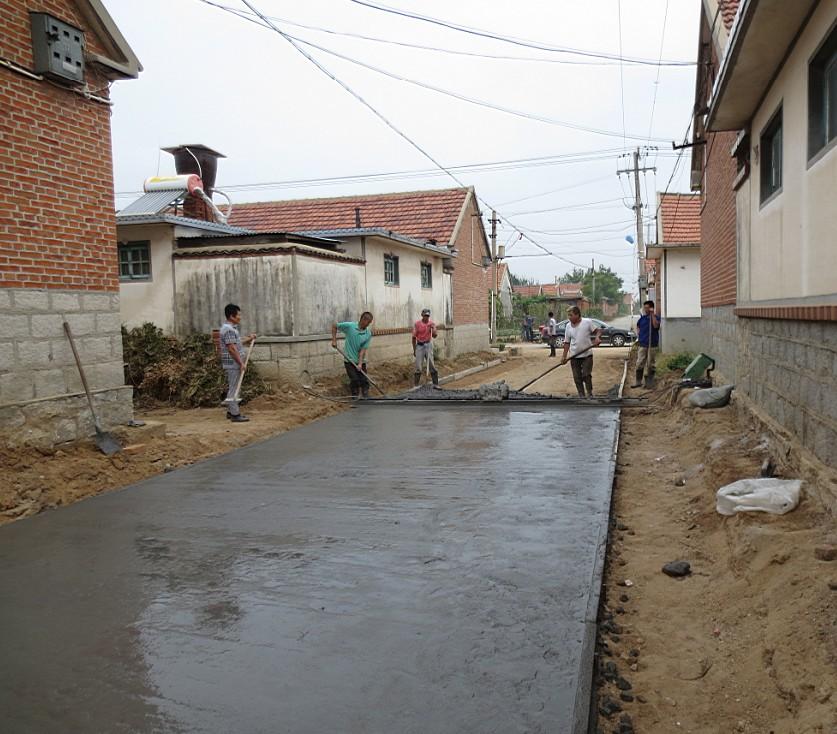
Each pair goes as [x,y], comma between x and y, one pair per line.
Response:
[57,224]
[717,224]
[471,281]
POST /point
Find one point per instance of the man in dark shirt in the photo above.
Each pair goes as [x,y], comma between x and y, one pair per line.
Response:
[648,329]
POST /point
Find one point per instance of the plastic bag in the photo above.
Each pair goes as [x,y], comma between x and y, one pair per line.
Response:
[711,397]
[777,496]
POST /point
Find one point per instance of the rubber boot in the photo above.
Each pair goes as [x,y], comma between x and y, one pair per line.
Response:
[434,375]
[638,381]
[649,380]
[416,379]
[588,383]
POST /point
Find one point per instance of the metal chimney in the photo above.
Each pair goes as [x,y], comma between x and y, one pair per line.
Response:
[197,159]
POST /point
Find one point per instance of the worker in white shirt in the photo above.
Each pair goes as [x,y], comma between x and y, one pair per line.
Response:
[580,336]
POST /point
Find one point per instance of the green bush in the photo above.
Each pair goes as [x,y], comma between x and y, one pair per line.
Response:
[184,372]
[678,361]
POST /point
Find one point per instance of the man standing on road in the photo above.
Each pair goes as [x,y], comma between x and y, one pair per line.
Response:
[528,325]
[358,336]
[424,332]
[648,328]
[580,336]
[551,332]
[232,358]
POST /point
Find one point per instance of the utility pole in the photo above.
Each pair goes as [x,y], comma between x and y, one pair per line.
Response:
[640,234]
[493,330]
[593,271]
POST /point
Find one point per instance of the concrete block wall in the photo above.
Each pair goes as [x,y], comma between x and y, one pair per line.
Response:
[469,338]
[682,335]
[788,368]
[281,358]
[720,340]
[39,380]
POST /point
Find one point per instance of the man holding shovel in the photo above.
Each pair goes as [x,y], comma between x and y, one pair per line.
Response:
[580,336]
[424,332]
[358,336]
[232,359]
[648,328]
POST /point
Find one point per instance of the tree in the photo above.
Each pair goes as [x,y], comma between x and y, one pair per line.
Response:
[519,280]
[607,285]
[576,276]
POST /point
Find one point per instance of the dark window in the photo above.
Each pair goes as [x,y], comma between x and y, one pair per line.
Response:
[390,269]
[822,95]
[135,261]
[426,275]
[771,157]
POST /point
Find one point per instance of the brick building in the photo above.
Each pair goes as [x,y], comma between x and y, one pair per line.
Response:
[765,162]
[57,226]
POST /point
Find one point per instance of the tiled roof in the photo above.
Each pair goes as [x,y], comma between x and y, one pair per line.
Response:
[421,215]
[680,219]
[562,290]
[527,291]
[728,10]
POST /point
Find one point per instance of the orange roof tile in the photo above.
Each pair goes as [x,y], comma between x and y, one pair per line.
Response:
[680,219]
[729,8]
[527,291]
[422,215]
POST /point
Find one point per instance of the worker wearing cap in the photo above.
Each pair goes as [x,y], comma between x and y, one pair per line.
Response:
[424,332]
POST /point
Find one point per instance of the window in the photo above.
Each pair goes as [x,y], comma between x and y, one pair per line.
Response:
[391,269]
[771,157]
[822,96]
[426,275]
[135,261]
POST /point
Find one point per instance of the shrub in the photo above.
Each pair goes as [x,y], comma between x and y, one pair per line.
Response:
[184,372]
[678,361]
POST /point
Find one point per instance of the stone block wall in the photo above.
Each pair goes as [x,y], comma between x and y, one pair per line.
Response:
[469,338]
[289,358]
[788,368]
[682,335]
[41,395]
[720,340]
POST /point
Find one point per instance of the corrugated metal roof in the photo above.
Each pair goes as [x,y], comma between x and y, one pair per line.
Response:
[153,202]
[123,219]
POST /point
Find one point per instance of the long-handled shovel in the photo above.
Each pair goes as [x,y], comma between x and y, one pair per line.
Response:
[371,381]
[107,444]
[235,398]
[560,364]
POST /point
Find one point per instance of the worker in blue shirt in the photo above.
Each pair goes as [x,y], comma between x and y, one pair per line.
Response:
[648,329]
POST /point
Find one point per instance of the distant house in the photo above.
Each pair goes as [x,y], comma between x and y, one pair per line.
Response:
[765,163]
[296,266]
[677,253]
[565,295]
[527,291]
[58,239]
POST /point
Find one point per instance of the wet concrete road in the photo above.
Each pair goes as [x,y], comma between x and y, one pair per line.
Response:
[388,570]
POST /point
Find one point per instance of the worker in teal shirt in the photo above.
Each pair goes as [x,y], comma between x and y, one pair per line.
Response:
[358,336]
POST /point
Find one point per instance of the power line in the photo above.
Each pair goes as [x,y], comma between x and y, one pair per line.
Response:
[386,121]
[515,41]
[621,74]
[570,207]
[440,90]
[659,68]
[422,47]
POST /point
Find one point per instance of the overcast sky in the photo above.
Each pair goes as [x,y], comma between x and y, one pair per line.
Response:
[212,77]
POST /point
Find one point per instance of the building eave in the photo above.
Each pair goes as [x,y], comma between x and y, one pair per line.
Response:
[120,61]
[761,37]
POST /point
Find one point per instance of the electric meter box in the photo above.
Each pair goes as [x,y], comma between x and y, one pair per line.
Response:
[57,48]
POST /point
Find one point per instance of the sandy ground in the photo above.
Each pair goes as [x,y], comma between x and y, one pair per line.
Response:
[747,643]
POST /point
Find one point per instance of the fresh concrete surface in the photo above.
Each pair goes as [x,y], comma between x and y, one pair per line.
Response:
[411,570]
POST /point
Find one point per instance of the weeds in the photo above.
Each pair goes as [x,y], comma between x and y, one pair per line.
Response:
[672,362]
[184,372]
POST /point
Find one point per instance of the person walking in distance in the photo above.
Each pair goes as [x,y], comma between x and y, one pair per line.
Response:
[551,332]
[358,337]
[424,332]
[232,358]
[648,328]
[580,336]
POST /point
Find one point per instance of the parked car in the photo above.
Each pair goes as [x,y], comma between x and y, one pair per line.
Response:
[611,335]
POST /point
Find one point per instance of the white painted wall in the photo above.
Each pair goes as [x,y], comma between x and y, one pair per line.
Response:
[681,283]
[398,307]
[791,254]
[149,300]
